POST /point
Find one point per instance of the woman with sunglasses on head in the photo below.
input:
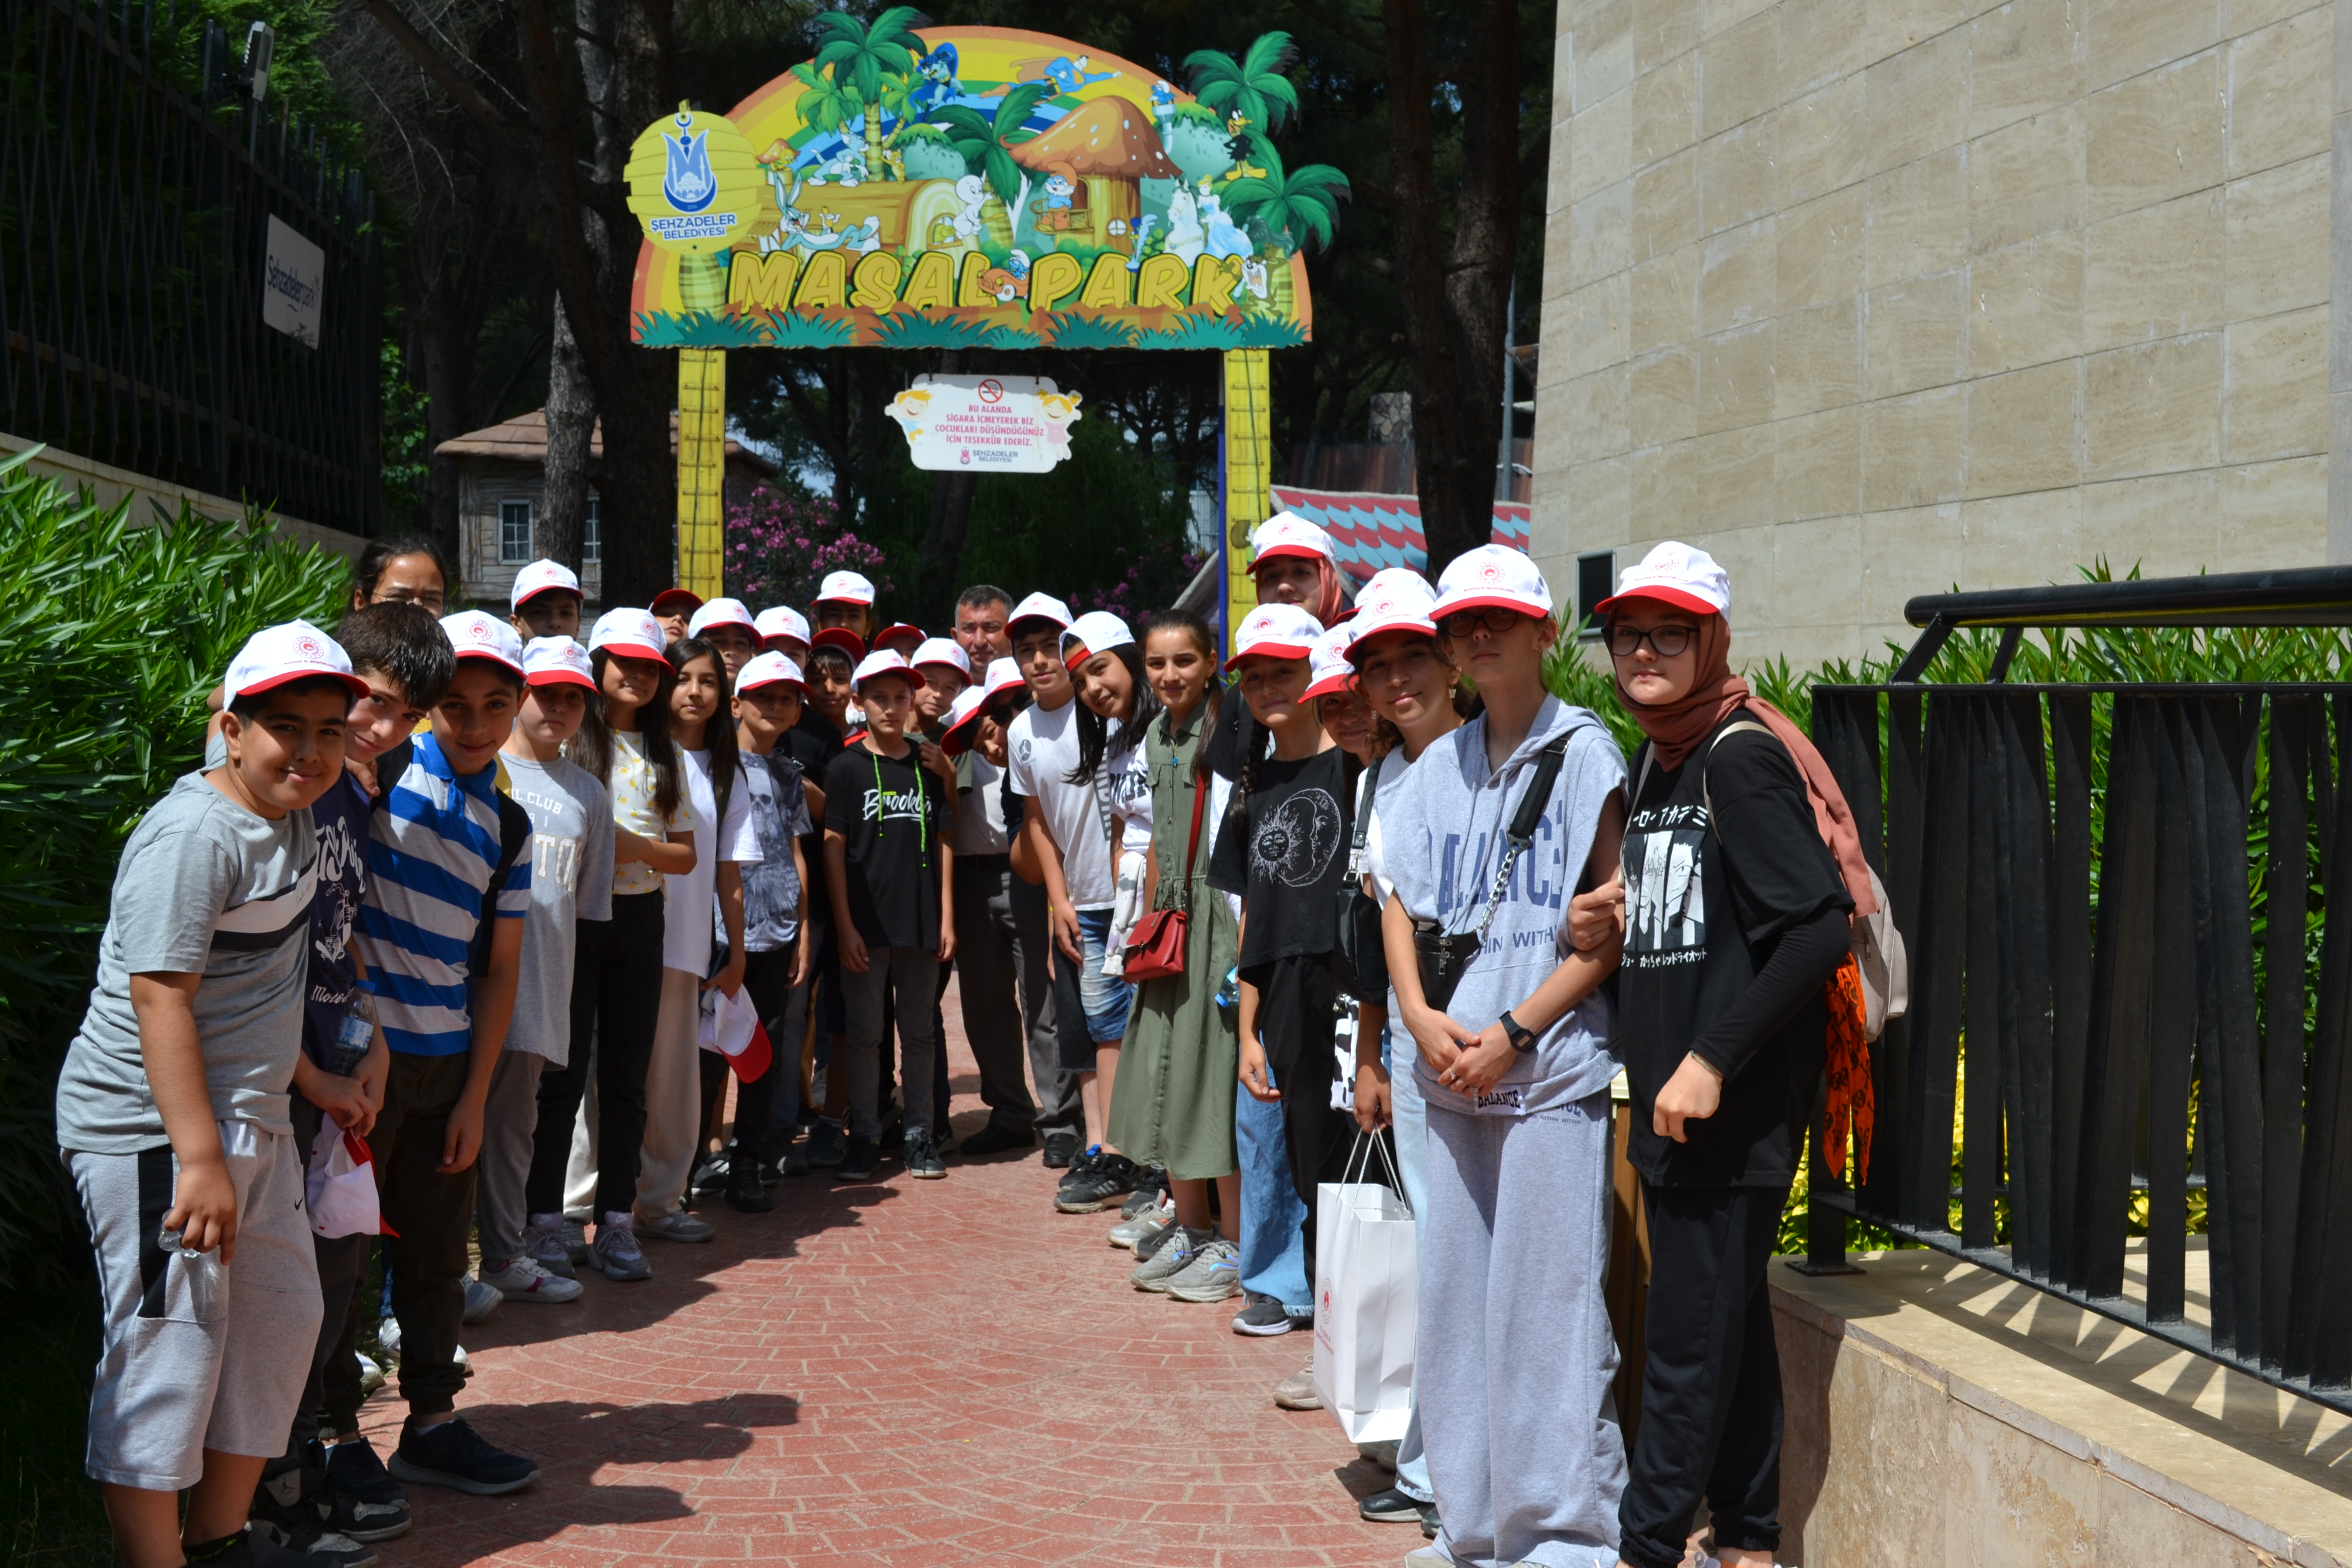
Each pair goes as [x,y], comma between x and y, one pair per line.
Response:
[1741,867]
[1486,837]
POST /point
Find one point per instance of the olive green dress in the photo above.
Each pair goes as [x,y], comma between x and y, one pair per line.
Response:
[1173,1104]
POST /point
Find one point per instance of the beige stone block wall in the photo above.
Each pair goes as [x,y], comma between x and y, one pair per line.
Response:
[1876,298]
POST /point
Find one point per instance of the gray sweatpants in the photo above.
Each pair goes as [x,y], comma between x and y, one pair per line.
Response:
[1059,1108]
[1512,1380]
[198,1354]
[911,977]
[509,1126]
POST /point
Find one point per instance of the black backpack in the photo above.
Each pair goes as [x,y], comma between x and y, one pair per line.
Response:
[514,843]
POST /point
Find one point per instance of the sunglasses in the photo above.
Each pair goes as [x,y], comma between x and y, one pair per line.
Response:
[1494,619]
[1666,641]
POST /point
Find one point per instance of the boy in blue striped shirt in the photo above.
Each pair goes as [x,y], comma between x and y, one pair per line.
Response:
[441,929]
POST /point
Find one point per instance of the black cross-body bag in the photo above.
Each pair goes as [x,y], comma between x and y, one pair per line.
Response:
[1443,955]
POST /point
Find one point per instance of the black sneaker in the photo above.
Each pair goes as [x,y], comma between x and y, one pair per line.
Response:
[1081,1166]
[454,1455]
[710,1177]
[856,1162]
[1148,1190]
[825,1143]
[749,1195]
[994,1140]
[1105,1186]
[922,1154]
[252,1549]
[1391,1507]
[310,1541]
[1262,1318]
[363,1501]
[1061,1148]
[287,1512]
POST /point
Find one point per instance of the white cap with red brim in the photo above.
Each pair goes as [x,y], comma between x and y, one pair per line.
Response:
[1328,672]
[782,624]
[722,613]
[676,602]
[294,651]
[1004,676]
[1288,533]
[1040,608]
[631,634]
[557,661]
[1492,576]
[542,577]
[1400,605]
[769,670]
[476,635]
[1097,631]
[1679,575]
[1275,631]
[944,651]
[844,588]
[963,721]
[884,661]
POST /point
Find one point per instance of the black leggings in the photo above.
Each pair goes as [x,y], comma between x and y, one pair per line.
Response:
[615,998]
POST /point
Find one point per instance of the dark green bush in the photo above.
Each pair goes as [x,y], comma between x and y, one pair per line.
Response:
[113,633]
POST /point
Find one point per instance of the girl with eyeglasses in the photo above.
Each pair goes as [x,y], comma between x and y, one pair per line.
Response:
[1512,1379]
[1733,912]
[408,568]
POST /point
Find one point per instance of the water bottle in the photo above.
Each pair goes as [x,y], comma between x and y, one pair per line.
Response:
[357,1033]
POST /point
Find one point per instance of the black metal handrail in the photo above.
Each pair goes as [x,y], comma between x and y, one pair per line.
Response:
[2070,866]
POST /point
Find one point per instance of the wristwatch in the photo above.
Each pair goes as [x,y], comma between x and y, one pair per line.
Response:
[1522,1038]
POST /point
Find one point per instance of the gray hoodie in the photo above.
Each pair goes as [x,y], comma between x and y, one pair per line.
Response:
[1441,835]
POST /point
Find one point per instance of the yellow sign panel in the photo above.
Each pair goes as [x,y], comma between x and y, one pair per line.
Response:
[980,187]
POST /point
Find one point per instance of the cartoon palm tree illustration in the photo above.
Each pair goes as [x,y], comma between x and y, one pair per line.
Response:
[825,104]
[1254,87]
[1287,205]
[862,56]
[982,143]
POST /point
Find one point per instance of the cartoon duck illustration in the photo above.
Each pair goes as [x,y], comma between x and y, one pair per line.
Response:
[1237,148]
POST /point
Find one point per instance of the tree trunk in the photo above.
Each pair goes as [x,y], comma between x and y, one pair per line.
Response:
[561,533]
[1455,301]
[445,358]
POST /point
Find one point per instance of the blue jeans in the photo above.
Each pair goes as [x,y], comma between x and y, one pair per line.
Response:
[1273,1249]
[1106,999]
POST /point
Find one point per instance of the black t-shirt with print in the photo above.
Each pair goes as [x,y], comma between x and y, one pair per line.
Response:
[1287,857]
[893,818]
[1706,903]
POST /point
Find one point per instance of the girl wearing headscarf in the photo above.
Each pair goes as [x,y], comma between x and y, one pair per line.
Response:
[1740,869]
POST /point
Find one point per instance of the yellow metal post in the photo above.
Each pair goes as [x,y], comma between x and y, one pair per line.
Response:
[702,468]
[1249,471]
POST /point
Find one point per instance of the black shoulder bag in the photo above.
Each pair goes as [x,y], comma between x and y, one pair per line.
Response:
[1360,913]
[514,843]
[1442,954]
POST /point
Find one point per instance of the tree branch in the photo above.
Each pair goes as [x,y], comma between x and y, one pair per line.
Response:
[1347,29]
[451,81]
[814,421]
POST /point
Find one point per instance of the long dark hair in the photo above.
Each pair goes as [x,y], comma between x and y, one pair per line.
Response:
[1212,699]
[592,747]
[382,552]
[719,736]
[1094,730]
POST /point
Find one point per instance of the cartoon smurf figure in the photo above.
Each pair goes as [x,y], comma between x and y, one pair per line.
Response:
[1163,108]
[1061,186]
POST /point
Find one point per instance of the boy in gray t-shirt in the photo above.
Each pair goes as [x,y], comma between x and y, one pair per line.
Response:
[172,1115]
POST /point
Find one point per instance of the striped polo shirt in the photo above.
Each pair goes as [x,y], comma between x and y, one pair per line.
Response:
[432,849]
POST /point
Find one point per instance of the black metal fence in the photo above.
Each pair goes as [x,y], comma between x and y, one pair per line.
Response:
[2075,868]
[136,194]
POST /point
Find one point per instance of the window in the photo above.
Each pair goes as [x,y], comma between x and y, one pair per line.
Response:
[1596,577]
[591,548]
[514,532]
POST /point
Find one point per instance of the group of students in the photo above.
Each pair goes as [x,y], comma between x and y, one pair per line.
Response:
[500,913]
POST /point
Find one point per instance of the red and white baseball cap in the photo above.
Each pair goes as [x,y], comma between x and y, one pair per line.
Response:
[904,637]
[557,661]
[675,602]
[943,651]
[632,634]
[1326,665]
[842,638]
[1039,607]
[782,624]
[769,670]
[1679,575]
[844,588]
[722,613]
[1399,605]
[883,661]
[476,635]
[1004,676]
[1097,631]
[542,577]
[1491,576]
[294,651]
[1288,533]
[1275,631]
[963,721]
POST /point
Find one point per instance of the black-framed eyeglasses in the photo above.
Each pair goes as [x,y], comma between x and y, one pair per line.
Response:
[1494,618]
[1667,641]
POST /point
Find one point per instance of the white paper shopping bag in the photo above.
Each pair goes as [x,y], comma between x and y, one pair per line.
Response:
[1366,1304]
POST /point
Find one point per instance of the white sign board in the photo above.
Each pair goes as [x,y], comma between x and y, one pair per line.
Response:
[986,424]
[293,284]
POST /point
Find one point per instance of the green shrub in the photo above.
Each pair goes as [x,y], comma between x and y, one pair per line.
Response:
[115,633]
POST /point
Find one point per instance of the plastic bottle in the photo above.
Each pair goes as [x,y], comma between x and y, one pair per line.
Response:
[357,1033]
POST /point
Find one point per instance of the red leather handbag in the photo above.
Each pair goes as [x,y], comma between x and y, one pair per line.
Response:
[1155,948]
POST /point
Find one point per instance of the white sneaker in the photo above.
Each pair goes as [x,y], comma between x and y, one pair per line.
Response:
[387,1336]
[677,1225]
[524,1280]
[545,1244]
[371,1376]
[480,1301]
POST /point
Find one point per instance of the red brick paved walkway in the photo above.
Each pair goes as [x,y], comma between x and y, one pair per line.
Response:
[901,1373]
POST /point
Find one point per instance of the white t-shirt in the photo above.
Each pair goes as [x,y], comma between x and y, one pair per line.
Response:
[980,814]
[1042,748]
[685,923]
[1391,769]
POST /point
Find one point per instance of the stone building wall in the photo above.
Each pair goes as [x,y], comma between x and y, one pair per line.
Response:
[1876,297]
